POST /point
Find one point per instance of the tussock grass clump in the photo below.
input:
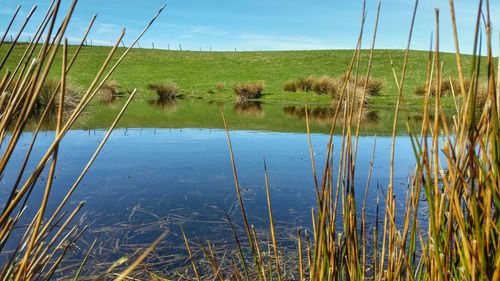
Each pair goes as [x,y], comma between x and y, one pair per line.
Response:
[109,91]
[447,87]
[325,85]
[373,86]
[71,97]
[221,86]
[452,87]
[353,97]
[165,91]
[43,99]
[305,84]
[249,90]
[302,84]
[290,86]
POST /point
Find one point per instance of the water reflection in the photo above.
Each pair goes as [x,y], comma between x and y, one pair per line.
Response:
[202,113]
[253,108]
[325,114]
[162,178]
[166,105]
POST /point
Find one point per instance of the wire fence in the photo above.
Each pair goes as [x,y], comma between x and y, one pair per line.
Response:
[139,45]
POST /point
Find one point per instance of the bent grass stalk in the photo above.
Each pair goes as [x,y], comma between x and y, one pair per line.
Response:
[456,166]
[40,252]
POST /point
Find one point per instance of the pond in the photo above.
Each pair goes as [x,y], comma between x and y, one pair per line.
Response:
[169,165]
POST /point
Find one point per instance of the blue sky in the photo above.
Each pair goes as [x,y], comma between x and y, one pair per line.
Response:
[262,24]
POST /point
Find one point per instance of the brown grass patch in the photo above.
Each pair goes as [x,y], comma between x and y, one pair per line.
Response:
[250,90]
[302,84]
[325,85]
[165,91]
[221,86]
[109,91]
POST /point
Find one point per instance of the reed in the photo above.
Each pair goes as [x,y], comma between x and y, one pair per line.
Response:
[456,171]
[26,93]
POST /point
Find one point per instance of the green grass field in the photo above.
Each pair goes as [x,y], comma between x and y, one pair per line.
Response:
[197,73]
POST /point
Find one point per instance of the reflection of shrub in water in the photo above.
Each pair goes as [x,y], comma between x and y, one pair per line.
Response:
[166,105]
[319,113]
[249,107]
[419,118]
[371,116]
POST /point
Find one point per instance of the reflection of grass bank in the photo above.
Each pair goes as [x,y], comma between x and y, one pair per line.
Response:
[194,113]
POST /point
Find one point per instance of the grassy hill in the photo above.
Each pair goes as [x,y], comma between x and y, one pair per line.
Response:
[198,72]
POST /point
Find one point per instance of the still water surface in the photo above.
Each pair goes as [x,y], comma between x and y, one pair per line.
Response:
[151,179]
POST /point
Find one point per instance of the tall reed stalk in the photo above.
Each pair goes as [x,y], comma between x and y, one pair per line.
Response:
[456,171]
[49,235]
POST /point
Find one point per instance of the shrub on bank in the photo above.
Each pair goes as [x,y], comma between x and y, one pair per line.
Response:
[109,91]
[221,86]
[165,91]
[249,90]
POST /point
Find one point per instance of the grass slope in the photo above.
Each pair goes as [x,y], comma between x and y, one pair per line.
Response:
[198,72]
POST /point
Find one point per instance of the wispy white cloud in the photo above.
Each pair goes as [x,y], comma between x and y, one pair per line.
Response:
[278,42]
[191,31]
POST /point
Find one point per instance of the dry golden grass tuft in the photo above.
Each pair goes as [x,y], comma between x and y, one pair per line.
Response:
[249,90]
[165,91]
